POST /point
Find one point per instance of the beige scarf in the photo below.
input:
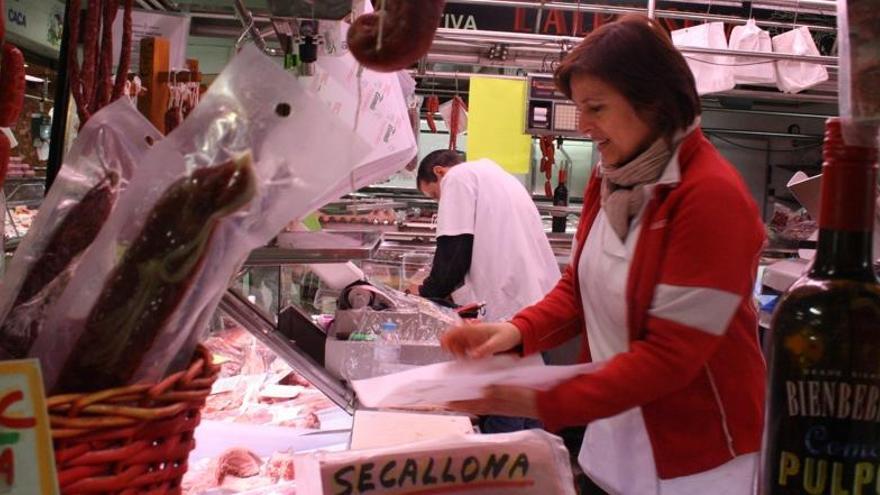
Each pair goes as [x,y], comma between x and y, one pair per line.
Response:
[622,194]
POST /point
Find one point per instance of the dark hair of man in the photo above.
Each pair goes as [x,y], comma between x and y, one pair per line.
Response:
[441,158]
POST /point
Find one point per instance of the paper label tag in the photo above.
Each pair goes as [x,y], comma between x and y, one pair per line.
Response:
[27,463]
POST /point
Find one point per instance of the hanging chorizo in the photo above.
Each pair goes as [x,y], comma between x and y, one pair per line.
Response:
[12,84]
[397,36]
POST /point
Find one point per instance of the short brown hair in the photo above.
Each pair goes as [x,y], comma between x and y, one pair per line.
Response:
[635,55]
[442,158]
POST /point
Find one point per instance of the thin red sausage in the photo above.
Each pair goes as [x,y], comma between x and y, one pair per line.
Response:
[90,52]
[124,52]
[105,72]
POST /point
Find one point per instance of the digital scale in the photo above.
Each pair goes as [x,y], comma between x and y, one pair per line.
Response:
[549,111]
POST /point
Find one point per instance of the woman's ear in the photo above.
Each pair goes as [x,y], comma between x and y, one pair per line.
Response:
[439,171]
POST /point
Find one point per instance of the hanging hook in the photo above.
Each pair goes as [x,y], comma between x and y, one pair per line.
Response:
[797,9]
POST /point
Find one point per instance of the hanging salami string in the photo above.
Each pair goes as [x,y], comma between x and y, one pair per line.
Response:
[91,83]
[104,88]
[125,53]
[90,55]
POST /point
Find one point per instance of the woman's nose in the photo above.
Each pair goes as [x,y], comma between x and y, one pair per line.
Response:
[585,124]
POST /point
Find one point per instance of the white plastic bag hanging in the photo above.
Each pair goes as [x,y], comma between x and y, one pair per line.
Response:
[752,70]
[376,104]
[712,73]
[793,76]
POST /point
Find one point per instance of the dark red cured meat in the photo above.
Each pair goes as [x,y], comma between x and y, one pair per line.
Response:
[12,84]
[154,276]
[71,237]
[407,31]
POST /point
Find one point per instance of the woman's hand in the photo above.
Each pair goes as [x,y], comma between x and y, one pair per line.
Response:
[481,340]
[501,400]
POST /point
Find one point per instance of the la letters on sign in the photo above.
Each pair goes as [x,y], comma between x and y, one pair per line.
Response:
[494,469]
[27,465]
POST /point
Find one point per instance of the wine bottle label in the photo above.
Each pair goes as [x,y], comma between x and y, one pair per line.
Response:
[826,438]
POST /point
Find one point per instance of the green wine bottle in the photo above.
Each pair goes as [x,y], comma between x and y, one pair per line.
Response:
[822,429]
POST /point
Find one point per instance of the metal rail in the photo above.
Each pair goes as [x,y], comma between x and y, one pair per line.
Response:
[536,43]
[665,14]
[769,95]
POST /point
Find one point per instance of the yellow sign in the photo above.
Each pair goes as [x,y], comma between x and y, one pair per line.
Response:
[496,121]
[27,464]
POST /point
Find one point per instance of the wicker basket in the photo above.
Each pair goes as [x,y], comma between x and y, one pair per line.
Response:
[133,439]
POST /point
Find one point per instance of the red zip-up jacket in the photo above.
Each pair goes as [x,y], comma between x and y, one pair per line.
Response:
[694,365]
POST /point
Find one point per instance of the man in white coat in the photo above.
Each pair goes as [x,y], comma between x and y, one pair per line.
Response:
[491,245]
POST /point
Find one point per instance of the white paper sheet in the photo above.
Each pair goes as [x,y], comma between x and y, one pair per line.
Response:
[461,380]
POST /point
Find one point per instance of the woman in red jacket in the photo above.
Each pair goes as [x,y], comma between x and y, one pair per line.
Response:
[660,283]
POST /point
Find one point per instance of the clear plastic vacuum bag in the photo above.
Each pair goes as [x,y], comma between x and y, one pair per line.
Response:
[248,159]
[98,167]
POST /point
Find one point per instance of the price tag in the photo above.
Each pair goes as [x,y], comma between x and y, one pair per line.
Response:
[27,464]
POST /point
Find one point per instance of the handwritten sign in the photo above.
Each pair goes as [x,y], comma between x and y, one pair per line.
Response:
[27,465]
[527,463]
[172,26]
